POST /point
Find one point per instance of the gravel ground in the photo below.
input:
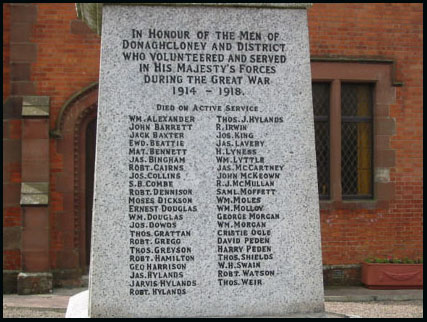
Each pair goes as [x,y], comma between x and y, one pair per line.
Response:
[389,309]
[13,312]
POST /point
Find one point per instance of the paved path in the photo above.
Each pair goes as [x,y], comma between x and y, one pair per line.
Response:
[362,294]
[378,309]
[58,300]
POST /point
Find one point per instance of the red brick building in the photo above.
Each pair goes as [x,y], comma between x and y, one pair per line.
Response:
[367,63]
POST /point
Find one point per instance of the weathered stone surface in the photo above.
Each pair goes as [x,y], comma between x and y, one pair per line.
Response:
[34,283]
[35,106]
[91,13]
[205,183]
[78,308]
[34,193]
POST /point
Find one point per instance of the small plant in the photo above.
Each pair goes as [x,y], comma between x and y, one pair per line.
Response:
[390,272]
[394,260]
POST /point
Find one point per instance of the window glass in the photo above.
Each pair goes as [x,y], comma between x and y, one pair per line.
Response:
[321,103]
[356,140]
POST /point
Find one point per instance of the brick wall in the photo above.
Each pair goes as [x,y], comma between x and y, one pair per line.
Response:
[67,60]
[384,31]
[12,216]
[67,54]
[6,51]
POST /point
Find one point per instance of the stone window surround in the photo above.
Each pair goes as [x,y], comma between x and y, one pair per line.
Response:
[69,134]
[381,73]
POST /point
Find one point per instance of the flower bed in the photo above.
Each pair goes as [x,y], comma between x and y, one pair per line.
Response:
[391,274]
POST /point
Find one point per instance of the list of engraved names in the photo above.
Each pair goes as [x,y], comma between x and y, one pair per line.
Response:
[203,69]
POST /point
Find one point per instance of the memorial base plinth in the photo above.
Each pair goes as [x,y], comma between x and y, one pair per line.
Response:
[79,304]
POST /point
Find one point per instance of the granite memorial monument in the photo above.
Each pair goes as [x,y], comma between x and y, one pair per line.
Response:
[206,200]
